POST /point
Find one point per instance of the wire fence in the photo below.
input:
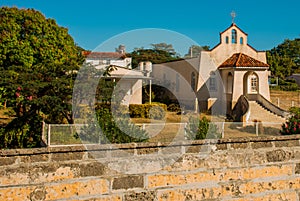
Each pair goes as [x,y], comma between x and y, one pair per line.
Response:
[285,104]
[68,134]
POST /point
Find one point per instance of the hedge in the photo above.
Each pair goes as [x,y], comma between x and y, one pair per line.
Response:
[154,110]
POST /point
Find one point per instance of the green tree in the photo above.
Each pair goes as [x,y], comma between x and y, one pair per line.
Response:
[195,51]
[198,129]
[38,62]
[107,129]
[284,59]
[164,47]
[28,39]
[155,56]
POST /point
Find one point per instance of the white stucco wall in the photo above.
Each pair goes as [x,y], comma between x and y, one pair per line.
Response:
[181,71]
[223,51]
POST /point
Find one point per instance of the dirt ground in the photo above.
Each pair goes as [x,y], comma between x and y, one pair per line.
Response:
[286,99]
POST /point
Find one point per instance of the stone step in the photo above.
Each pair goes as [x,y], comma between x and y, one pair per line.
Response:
[259,113]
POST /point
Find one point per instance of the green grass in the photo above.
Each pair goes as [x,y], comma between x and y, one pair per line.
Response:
[6,116]
[168,132]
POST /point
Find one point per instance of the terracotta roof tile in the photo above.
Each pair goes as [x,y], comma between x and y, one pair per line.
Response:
[242,60]
[103,55]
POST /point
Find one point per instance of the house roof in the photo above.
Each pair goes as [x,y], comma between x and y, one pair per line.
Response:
[103,55]
[242,60]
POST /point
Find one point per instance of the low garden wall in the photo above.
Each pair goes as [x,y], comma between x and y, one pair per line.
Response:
[266,168]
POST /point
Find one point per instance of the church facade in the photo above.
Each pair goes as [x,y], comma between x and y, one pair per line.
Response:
[218,77]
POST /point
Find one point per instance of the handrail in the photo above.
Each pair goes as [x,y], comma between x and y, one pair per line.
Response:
[246,115]
[241,110]
[271,107]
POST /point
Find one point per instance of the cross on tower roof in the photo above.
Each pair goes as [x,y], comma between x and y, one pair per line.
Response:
[233,15]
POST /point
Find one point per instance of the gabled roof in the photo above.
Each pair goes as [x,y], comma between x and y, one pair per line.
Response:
[242,60]
[103,55]
[234,25]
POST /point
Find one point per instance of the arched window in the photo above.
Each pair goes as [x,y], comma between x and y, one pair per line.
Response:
[227,39]
[229,83]
[253,83]
[193,81]
[233,36]
[241,40]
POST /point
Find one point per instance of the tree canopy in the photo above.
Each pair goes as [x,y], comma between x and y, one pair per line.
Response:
[153,55]
[284,60]
[195,51]
[38,63]
[164,47]
[28,39]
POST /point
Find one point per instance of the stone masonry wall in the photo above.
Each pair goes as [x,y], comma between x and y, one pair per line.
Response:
[238,169]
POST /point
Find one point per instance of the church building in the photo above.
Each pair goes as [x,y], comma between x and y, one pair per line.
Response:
[218,79]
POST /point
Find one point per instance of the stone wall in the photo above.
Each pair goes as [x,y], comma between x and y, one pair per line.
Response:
[265,168]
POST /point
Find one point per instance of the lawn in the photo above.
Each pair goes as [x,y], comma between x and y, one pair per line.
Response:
[286,98]
[5,116]
[170,129]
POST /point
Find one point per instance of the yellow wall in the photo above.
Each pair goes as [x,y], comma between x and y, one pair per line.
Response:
[267,168]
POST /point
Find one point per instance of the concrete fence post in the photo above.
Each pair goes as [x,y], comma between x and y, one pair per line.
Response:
[223,132]
[256,128]
[185,125]
[49,135]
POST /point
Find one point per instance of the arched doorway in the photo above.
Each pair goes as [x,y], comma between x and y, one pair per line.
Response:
[251,85]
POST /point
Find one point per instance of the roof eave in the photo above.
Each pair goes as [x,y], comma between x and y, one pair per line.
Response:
[243,67]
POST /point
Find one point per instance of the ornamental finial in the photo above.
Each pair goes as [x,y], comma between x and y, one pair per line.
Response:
[233,15]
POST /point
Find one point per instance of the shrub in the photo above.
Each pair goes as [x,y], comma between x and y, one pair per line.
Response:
[164,106]
[292,125]
[154,110]
[110,130]
[198,129]
[137,110]
[22,133]
[173,107]
[117,109]
[286,85]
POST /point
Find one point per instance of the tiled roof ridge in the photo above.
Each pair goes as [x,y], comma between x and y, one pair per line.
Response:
[242,60]
[239,58]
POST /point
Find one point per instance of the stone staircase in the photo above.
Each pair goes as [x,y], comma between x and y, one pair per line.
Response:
[259,113]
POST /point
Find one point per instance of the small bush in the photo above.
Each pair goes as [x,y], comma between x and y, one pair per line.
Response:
[292,126]
[198,129]
[115,108]
[107,129]
[174,107]
[154,110]
[137,110]
[164,106]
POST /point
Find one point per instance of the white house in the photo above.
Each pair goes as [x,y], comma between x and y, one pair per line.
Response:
[125,78]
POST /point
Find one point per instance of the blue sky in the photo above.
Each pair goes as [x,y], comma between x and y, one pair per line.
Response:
[92,23]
